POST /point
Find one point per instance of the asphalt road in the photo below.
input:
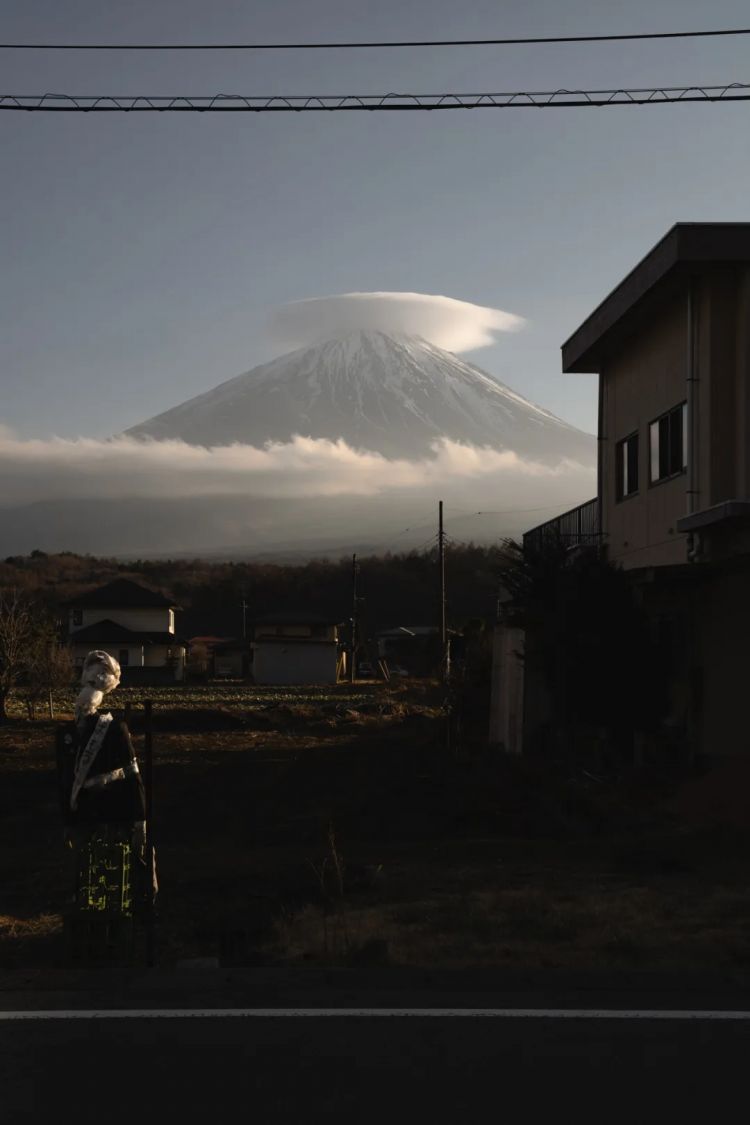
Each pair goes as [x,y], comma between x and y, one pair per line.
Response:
[372,1068]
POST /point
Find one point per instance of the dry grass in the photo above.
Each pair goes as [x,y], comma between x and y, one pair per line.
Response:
[40,926]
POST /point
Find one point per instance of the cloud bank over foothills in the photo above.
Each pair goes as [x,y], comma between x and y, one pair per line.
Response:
[35,470]
[457,326]
[370,419]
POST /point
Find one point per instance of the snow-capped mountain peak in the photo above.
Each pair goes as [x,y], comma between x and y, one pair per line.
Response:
[387,392]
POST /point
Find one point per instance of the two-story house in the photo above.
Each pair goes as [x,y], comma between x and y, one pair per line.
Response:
[671,346]
[292,647]
[132,623]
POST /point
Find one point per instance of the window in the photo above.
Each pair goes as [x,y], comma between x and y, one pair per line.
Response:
[626,475]
[77,618]
[669,444]
[124,657]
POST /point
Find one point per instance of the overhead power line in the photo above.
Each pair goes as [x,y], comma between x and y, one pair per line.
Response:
[370,103]
[377,44]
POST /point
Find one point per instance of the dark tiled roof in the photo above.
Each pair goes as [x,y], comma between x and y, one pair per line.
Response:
[160,639]
[123,594]
[101,632]
[109,632]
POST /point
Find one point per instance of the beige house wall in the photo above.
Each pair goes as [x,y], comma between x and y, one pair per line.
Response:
[135,653]
[647,377]
[148,656]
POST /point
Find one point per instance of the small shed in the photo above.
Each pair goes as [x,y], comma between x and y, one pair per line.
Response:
[291,647]
[231,659]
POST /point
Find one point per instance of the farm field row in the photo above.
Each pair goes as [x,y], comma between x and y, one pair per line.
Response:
[227,696]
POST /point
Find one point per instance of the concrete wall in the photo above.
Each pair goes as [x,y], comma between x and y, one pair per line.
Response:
[291,663]
[506,697]
[723,611]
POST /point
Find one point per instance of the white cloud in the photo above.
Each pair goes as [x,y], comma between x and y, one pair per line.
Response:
[457,326]
[126,467]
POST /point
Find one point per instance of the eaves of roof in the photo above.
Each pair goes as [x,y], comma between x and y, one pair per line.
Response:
[684,251]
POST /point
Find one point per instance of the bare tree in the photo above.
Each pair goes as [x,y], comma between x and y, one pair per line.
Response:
[16,630]
[47,665]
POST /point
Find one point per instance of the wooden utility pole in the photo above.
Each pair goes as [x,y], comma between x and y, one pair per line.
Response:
[355,571]
[148,708]
[441,617]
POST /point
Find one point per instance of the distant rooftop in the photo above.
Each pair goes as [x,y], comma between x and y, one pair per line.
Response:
[296,617]
[109,632]
[122,593]
[686,249]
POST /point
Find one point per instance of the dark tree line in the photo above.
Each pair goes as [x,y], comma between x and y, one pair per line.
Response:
[395,588]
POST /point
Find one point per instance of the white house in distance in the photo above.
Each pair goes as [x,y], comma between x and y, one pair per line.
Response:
[132,623]
[297,648]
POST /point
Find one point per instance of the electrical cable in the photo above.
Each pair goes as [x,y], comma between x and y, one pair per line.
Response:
[371,103]
[530,40]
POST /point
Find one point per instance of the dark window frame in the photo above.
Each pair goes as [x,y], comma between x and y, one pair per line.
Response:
[620,494]
[681,411]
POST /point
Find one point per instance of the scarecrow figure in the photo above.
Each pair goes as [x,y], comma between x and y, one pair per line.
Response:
[104,809]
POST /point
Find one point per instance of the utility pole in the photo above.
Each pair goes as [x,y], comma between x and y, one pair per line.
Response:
[355,572]
[441,618]
[244,608]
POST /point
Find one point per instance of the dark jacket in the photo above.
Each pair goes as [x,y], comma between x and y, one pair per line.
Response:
[121,802]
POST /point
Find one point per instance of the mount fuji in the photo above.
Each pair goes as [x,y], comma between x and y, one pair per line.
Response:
[390,397]
[388,393]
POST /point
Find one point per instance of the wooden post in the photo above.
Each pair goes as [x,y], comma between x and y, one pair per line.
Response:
[149,786]
[442,616]
[355,570]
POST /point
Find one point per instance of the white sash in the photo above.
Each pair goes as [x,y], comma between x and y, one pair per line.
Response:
[86,758]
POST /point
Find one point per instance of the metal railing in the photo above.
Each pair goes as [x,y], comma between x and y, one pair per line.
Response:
[581,525]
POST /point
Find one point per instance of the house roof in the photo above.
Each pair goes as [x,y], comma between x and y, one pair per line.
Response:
[296,617]
[294,642]
[110,632]
[409,631]
[685,250]
[123,593]
[102,631]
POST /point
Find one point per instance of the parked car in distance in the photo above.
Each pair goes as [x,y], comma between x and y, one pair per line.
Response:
[365,668]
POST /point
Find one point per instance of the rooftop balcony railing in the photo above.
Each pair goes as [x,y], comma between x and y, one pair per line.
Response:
[579,526]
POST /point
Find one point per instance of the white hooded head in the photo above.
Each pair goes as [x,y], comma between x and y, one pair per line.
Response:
[101,674]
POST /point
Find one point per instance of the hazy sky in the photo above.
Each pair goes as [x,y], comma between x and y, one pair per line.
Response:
[142,255]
